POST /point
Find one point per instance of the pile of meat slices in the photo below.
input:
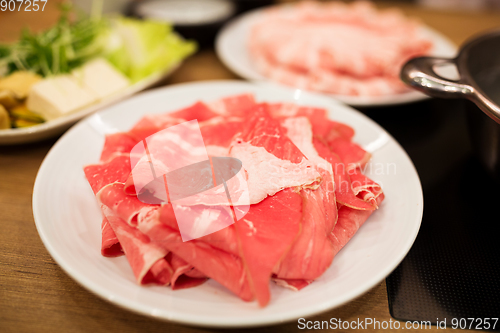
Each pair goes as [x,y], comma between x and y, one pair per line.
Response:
[337,48]
[292,230]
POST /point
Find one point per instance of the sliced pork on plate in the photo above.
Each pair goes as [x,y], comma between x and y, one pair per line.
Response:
[336,48]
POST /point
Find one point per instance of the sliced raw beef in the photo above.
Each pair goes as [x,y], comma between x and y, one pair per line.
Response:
[126,207]
[263,131]
[333,170]
[294,285]
[151,124]
[312,252]
[270,159]
[184,275]
[361,182]
[159,273]
[322,126]
[115,170]
[344,193]
[168,150]
[267,174]
[239,105]
[299,130]
[110,246]
[150,262]
[293,194]
[349,222]
[224,239]
[365,188]
[219,132]
[198,111]
[351,154]
[223,267]
[140,252]
[117,143]
[265,234]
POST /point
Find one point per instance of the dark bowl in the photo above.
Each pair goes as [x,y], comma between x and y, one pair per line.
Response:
[478,64]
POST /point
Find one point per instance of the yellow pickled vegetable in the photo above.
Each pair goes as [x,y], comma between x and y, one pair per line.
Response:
[21,112]
[19,83]
[7,99]
[19,123]
[4,118]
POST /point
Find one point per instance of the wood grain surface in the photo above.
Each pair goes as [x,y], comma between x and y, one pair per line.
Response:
[37,296]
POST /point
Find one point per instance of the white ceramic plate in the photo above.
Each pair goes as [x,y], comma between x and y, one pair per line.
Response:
[59,125]
[231,47]
[69,221]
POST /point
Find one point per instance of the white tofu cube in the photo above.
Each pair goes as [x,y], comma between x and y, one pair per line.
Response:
[100,77]
[59,95]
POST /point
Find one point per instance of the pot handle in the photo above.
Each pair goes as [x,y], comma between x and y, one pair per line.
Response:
[419,74]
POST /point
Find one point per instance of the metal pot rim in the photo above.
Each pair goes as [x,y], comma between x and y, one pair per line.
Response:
[419,74]
[463,55]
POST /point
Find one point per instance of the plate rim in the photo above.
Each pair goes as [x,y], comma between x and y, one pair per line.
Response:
[136,307]
[411,96]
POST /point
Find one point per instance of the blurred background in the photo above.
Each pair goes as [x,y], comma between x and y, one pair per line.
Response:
[200,19]
[454,260]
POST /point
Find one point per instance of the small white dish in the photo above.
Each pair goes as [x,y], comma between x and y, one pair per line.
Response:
[68,218]
[57,126]
[231,47]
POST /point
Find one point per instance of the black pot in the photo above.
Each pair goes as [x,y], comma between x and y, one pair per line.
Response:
[478,64]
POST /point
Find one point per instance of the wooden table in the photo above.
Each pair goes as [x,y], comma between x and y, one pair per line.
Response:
[37,296]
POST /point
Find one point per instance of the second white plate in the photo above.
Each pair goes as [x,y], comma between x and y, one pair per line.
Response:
[231,47]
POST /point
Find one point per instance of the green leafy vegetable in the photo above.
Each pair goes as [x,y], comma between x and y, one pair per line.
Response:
[59,49]
[137,48]
[145,47]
